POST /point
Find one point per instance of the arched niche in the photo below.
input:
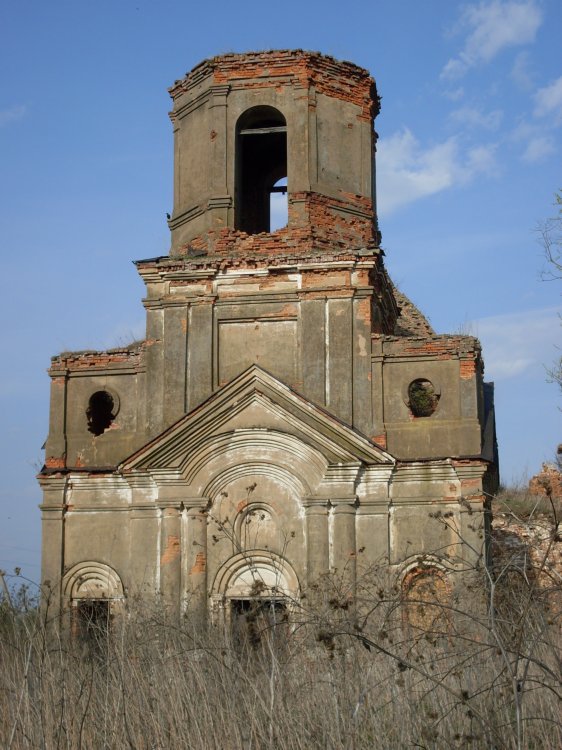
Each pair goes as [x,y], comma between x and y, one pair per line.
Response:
[256,527]
[92,580]
[426,600]
[218,459]
[256,574]
[254,506]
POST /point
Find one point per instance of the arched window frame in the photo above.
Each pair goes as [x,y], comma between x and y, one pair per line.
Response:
[92,587]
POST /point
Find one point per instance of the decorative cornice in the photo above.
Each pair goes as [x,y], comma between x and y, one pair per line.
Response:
[183,218]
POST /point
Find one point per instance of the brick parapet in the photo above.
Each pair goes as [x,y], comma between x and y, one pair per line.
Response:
[203,267]
[437,346]
[339,79]
[126,357]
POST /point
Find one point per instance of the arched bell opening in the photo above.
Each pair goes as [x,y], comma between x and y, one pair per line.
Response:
[261,169]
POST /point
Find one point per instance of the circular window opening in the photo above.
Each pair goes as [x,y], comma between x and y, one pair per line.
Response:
[422,398]
[100,412]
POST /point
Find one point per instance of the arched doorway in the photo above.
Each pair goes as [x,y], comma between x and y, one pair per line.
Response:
[94,594]
[253,594]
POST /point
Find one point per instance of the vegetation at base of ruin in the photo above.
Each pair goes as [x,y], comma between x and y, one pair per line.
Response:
[373,667]
[519,504]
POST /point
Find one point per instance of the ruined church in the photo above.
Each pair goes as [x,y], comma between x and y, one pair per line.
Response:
[289,413]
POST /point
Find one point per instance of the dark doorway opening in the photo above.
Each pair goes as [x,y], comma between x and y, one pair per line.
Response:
[91,621]
[261,165]
[259,624]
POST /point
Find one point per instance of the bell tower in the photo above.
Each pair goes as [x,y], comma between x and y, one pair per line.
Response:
[300,300]
[244,122]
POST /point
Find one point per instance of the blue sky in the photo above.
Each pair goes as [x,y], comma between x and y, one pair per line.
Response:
[469,158]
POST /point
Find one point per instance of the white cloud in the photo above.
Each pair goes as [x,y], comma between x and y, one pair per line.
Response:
[514,343]
[521,72]
[535,139]
[406,172]
[480,160]
[454,94]
[538,149]
[12,114]
[492,27]
[473,117]
[548,101]
[524,131]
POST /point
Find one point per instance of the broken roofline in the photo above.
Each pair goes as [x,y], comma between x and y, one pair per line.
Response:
[271,65]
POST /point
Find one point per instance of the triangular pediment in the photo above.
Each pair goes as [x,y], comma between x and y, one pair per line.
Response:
[256,401]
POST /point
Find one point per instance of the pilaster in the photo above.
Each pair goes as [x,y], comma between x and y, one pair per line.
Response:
[220,200]
[194,567]
[344,553]
[170,559]
[317,538]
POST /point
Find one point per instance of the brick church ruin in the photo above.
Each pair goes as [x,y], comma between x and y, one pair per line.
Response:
[289,412]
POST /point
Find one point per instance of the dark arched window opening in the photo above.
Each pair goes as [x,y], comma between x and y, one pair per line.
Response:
[91,621]
[261,165]
[259,624]
[100,412]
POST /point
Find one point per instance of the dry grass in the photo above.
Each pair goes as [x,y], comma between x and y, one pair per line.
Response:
[478,668]
[521,504]
[336,676]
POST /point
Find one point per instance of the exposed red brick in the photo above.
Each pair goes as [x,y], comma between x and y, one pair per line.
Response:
[171,551]
[467,368]
[316,223]
[364,311]
[200,564]
[55,462]
[96,360]
[328,276]
[547,482]
[380,440]
[437,347]
[273,69]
